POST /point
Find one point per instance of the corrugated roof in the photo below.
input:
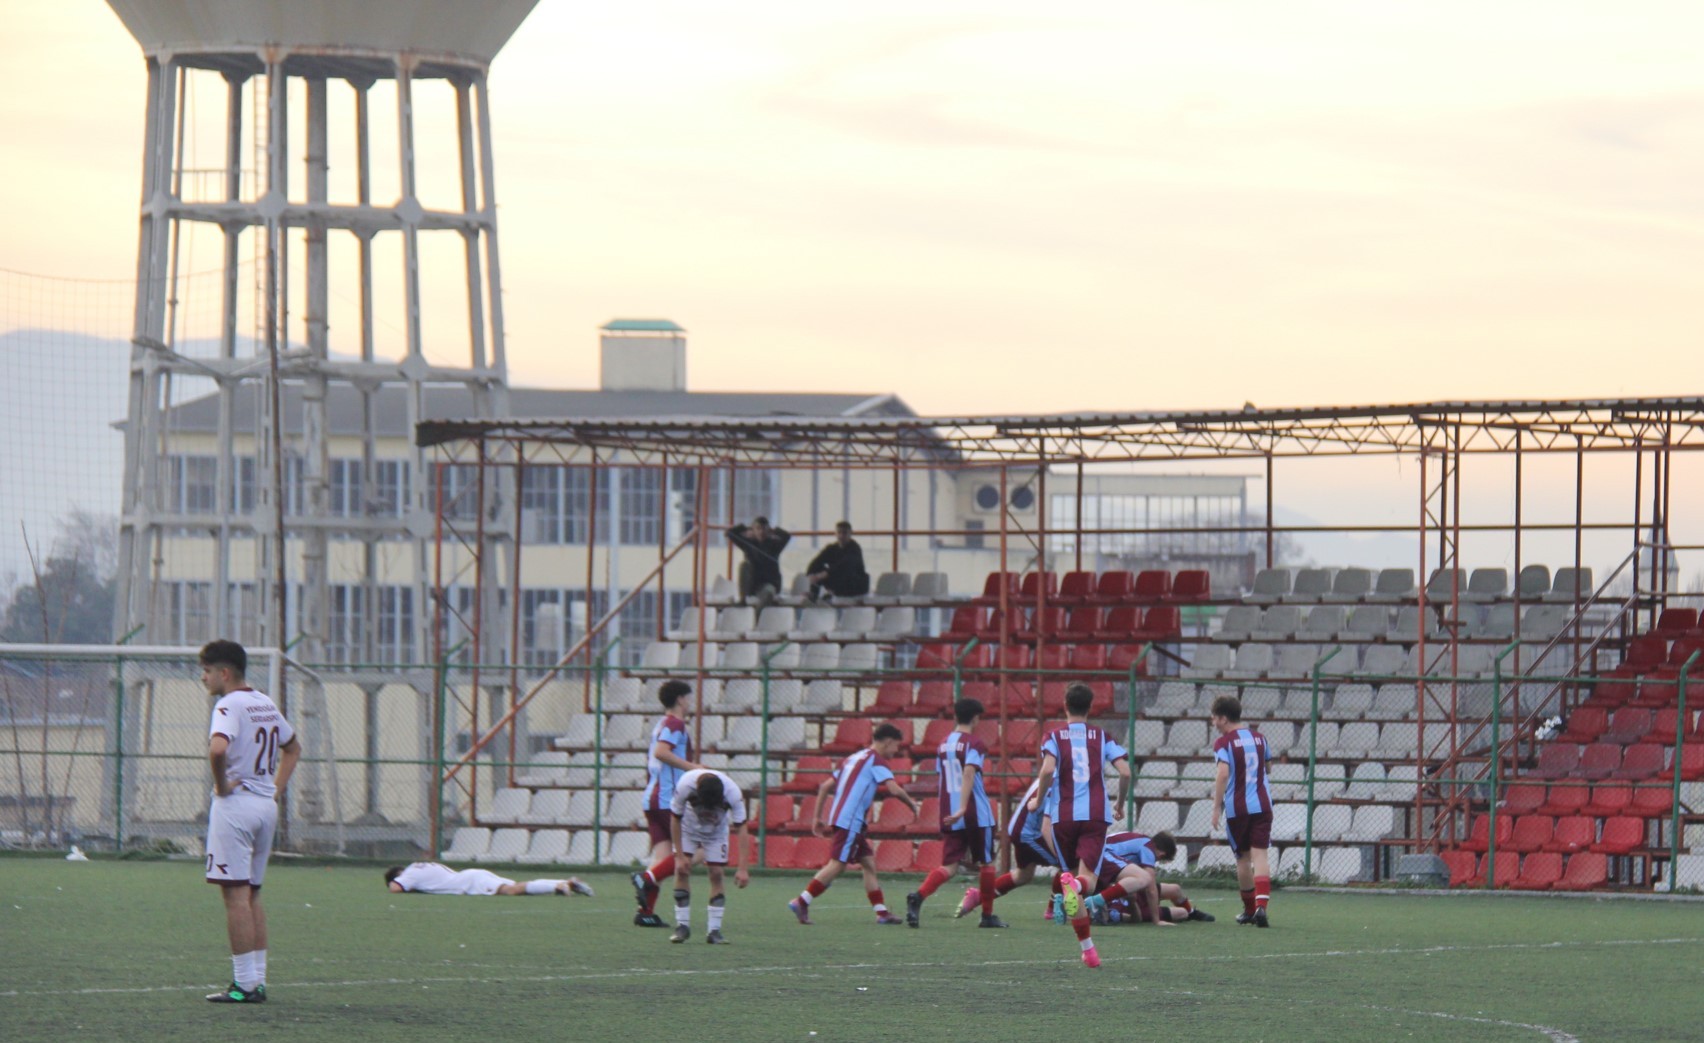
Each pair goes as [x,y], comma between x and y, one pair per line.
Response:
[642,326]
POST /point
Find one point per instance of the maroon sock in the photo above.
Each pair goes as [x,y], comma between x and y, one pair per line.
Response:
[1262,891]
[1004,884]
[1081,926]
[1248,902]
[985,883]
[932,883]
[815,887]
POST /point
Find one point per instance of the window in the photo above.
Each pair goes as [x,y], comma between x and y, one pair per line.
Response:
[345,489]
[243,493]
[638,624]
[394,639]
[640,516]
[194,485]
[390,488]
[754,494]
[460,491]
[189,611]
[245,613]
[346,626]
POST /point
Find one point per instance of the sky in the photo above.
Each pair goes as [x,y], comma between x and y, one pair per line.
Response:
[988,208]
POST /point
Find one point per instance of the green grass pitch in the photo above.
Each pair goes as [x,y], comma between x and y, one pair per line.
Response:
[125,950]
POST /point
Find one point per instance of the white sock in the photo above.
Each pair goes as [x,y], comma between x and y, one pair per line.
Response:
[1087,944]
[542,887]
[805,897]
[716,910]
[259,965]
[242,969]
[683,910]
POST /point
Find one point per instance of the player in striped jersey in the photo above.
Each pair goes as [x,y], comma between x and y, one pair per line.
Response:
[670,757]
[856,782]
[967,819]
[1130,872]
[1032,846]
[1074,763]
[1240,791]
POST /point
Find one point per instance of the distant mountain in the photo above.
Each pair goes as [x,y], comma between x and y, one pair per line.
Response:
[60,395]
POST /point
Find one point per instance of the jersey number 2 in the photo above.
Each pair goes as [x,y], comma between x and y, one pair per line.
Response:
[266,758]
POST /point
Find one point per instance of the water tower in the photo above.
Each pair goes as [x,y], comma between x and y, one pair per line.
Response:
[317,254]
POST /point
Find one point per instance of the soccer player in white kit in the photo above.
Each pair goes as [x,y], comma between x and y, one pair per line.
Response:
[252,751]
[435,878]
[706,804]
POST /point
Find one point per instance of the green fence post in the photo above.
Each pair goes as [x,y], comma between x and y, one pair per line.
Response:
[958,668]
[1496,759]
[598,670]
[1679,750]
[763,759]
[1313,758]
[1130,733]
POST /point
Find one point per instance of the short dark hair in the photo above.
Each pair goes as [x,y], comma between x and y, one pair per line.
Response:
[1079,698]
[1229,707]
[392,873]
[762,519]
[709,792]
[1164,845]
[887,731]
[221,652]
[967,710]
[842,525]
[672,692]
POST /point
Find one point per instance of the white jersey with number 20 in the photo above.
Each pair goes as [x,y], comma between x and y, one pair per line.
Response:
[256,731]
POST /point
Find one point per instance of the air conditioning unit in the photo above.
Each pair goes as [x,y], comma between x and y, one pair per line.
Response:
[979,498]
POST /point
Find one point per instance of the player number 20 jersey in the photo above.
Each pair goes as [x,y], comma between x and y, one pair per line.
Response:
[256,731]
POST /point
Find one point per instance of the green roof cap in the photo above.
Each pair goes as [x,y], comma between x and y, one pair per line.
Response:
[642,326]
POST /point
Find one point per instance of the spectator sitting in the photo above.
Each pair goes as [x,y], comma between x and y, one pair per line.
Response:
[762,543]
[838,569]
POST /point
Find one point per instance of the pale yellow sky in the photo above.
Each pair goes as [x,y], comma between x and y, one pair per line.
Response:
[987,208]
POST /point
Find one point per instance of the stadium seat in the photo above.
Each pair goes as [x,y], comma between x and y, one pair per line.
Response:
[1645,651]
[1565,800]
[1570,585]
[1585,724]
[1156,816]
[854,623]
[1365,623]
[1640,762]
[927,588]
[934,698]
[967,622]
[1573,833]
[1609,799]
[508,805]
[1093,656]
[1586,871]
[802,819]
[891,588]
[928,856]
[893,697]
[549,768]
[1462,865]
[1531,833]
[1506,871]
[894,856]
[1627,725]
[995,587]
[549,807]
[1373,822]
[1310,586]
[1691,762]
[1191,585]
[1289,821]
[894,623]
[774,623]
[1664,724]
[1215,858]
[1322,623]
[1014,657]
[1160,623]
[1076,588]
[1349,586]
[1393,586]
[1556,760]
[850,735]
[1038,586]
[1115,587]
[1081,624]
[933,735]
[1539,872]
[1120,623]
[1444,584]
[1654,801]
[1486,585]
[778,851]
[1155,779]
[1522,799]
[1278,623]
[507,845]
[810,853]
[1621,836]
[468,843]
[894,817]
[1675,623]
[1479,833]
[1151,585]
[859,658]
[808,774]
[1269,587]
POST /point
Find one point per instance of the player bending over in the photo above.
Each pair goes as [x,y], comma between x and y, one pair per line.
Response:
[669,758]
[1240,791]
[1130,871]
[435,878]
[1074,763]
[856,783]
[967,819]
[252,751]
[706,804]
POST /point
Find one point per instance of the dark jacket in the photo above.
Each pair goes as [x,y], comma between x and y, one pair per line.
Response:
[847,577]
[763,557]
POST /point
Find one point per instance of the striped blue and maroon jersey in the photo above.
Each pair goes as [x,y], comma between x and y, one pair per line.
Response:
[956,751]
[1082,754]
[1129,849]
[1025,826]
[856,782]
[661,778]
[1244,752]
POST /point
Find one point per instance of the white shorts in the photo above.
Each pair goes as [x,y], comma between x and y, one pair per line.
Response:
[713,845]
[239,838]
[479,882]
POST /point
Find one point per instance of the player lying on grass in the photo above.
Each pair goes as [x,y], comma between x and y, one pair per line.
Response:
[435,878]
[856,782]
[705,805]
[967,818]
[1130,869]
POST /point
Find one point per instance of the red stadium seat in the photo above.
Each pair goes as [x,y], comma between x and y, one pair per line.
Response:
[1565,800]
[1611,798]
[1557,761]
[778,852]
[991,630]
[1539,872]
[934,698]
[933,735]
[1507,870]
[1088,657]
[1120,623]
[1031,588]
[1191,585]
[1600,761]
[894,856]
[1587,871]
[894,817]
[1664,725]
[1023,738]
[1652,801]
[1081,624]
[988,730]
[1152,585]
[1019,696]
[1052,657]
[1646,650]
[1658,688]
[1522,799]
[808,774]
[933,657]
[1614,689]
[1462,865]
[1573,833]
[985,692]
[1161,623]
[1123,657]
[850,735]
[1641,761]
[978,657]
[1053,698]
[801,821]
[967,622]
[1479,833]
[1691,763]
[1585,725]
[1076,588]
[811,852]
[893,698]
[1621,836]
[928,856]
[1531,833]
[1677,622]
[993,586]
[777,811]
[1682,650]
[927,821]
[1039,623]
[1627,725]
[1113,587]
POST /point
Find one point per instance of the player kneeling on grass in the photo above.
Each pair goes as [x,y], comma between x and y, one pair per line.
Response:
[856,783]
[1130,870]
[435,878]
[706,804]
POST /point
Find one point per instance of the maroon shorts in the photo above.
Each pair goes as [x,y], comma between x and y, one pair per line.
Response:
[1249,832]
[657,822]
[1139,911]
[975,844]
[1036,854]
[850,845]
[1080,843]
